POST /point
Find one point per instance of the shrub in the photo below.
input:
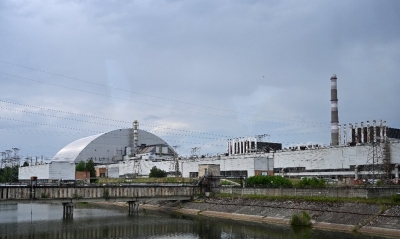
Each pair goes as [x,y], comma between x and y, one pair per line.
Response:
[269,181]
[106,194]
[301,219]
[311,183]
[395,198]
[157,173]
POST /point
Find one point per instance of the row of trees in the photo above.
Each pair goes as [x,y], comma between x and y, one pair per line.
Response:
[9,174]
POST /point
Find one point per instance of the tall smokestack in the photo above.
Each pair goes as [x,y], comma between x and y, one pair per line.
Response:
[334,112]
[135,136]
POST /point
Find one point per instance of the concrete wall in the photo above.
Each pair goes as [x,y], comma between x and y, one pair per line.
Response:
[96,192]
[312,159]
[53,171]
[209,169]
[62,170]
[40,171]
[323,192]
[331,157]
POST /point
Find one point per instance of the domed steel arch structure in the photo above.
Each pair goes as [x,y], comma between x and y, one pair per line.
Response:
[107,147]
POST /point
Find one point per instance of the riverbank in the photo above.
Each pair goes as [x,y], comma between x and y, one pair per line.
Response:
[368,219]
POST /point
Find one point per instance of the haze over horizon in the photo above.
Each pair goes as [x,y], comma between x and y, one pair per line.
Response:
[195,73]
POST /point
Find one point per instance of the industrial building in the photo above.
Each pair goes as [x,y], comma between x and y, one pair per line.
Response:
[356,154]
[105,148]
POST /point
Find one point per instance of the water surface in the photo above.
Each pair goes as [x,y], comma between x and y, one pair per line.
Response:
[46,221]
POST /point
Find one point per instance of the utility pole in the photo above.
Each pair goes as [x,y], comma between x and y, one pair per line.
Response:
[176,160]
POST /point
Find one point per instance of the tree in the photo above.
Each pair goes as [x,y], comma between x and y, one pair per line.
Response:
[157,173]
[80,167]
[26,164]
[90,168]
[9,174]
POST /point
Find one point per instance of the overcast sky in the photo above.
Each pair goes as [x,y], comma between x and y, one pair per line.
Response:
[194,73]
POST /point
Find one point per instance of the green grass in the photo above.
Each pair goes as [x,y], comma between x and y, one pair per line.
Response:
[384,200]
[301,219]
[102,181]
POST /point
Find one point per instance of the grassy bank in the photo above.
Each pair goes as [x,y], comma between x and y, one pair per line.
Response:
[394,200]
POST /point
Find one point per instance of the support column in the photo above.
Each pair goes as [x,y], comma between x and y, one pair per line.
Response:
[68,209]
[133,206]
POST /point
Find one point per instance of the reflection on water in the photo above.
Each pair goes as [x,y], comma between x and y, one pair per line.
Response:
[47,222]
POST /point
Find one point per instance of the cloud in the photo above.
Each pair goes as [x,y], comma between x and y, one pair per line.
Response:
[204,66]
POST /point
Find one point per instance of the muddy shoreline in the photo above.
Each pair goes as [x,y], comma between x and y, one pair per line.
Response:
[368,219]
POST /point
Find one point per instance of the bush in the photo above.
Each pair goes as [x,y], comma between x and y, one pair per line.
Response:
[157,173]
[311,183]
[301,219]
[269,181]
[395,198]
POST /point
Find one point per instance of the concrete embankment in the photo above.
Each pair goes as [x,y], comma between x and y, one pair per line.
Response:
[373,219]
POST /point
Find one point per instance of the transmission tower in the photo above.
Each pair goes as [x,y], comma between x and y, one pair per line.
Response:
[175,163]
[378,162]
[260,137]
[137,168]
[193,152]
[15,158]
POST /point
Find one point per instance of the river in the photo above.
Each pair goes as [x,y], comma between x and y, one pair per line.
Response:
[42,221]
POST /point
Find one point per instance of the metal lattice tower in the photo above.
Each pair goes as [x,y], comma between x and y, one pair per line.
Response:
[15,158]
[378,164]
[137,167]
[260,137]
[193,152]
[175,163]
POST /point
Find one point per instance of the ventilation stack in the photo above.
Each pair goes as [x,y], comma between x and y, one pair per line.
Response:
[135,136]
[334,112]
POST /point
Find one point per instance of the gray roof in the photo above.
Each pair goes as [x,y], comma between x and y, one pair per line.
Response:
[105,147]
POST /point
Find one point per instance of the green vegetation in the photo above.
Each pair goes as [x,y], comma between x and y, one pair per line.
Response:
[76,196]
[229,182]
[311,183]
[301,219]
[106,194]
[112,181]
[9,174]
[269,181]
[395,199]
[383,200]
[43,195]
[87,167]
[157,173]
[80,167]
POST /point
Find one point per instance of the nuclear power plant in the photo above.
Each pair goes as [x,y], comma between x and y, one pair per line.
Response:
[356,154]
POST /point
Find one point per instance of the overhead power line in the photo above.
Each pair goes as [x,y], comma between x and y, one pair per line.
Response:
[152,96]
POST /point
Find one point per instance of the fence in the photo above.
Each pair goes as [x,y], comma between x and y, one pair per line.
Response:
[339,192]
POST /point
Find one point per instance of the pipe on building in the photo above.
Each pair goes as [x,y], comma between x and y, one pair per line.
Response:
[334,112]
[351,133]
[368,133]
[344,134]
[356,133]
[380,131]
[362,132]
[339,135]
[374,131]
[384,132]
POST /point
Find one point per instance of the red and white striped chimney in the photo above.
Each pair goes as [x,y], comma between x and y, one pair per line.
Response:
[334,112]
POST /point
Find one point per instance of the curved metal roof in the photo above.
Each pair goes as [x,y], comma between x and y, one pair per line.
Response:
[104,147]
